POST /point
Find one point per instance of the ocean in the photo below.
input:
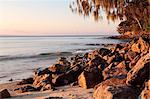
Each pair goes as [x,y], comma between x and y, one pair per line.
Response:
[21,55]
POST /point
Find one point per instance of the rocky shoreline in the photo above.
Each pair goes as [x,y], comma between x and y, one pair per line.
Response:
[120,72]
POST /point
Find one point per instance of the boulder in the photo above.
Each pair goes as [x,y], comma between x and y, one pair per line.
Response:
[4,93]
[61,66]
[68,77]
[140,46]
[90,77]
[97,61]
[104,51]
[131,55]
[41,71]
[42,80]
[57,68]
[26,88]
[134,61]
[64,62]
[114,88]
[26,81]
[140,72]
[146,92]
[113,71]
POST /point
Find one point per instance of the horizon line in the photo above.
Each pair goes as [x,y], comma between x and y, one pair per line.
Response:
[51,35]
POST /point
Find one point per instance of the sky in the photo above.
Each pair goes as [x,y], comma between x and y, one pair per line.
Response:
[48,17]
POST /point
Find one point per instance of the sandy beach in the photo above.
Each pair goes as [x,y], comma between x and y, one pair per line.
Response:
[64,92]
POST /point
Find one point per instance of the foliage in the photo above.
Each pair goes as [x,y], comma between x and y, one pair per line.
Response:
[134,14]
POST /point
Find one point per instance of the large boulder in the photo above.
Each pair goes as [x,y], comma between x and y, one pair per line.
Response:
[113,71]
[68,77]
[146,92]
[90,77]
[114,88]
[4,93]
[140,72]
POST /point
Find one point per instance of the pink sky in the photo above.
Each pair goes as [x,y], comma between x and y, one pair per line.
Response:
[48,17]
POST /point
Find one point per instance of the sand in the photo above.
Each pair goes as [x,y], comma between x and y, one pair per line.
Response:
[65,92]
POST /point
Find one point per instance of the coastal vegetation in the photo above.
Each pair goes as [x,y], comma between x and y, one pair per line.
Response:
[134,14]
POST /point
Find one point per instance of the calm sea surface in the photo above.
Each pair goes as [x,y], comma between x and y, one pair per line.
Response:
[19,56]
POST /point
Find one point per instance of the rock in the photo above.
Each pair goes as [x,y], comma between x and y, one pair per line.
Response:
[110,59]
[47,87]
[90,77]
[104,51]
[64,62]
[140,46]
[42,80]
[26,88]
[113,71]
[118,57]
[97,61]
[146,92]
[134,61]
[68,77]
[114,88]
[54,98]
[74,84]
[10,79]
[57,69]
[61,66]
[140,72]
[26,81]
[4,94]
[41,71]
[118,47]
[131,55]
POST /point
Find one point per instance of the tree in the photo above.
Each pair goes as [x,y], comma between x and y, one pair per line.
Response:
[134,14]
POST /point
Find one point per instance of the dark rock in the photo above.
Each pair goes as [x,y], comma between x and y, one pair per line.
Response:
[140,72]
[90,77]
[74,84]
[131,55]
[113,71]
[104,51]
[26,81]
[57,69]
[115,88]
[4,94]
[146,92]
[11,79]
[47,87]
[54,98]
[68,77]
[27,88]
[134,61]
[41,71]
[97,61]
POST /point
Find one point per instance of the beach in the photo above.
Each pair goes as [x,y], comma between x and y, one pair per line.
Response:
[93,74]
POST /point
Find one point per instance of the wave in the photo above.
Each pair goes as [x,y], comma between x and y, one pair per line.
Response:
[41,55]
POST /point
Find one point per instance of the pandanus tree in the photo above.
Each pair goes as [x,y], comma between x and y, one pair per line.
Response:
[134,14]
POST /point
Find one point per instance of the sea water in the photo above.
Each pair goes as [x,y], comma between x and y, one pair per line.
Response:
[20,55]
